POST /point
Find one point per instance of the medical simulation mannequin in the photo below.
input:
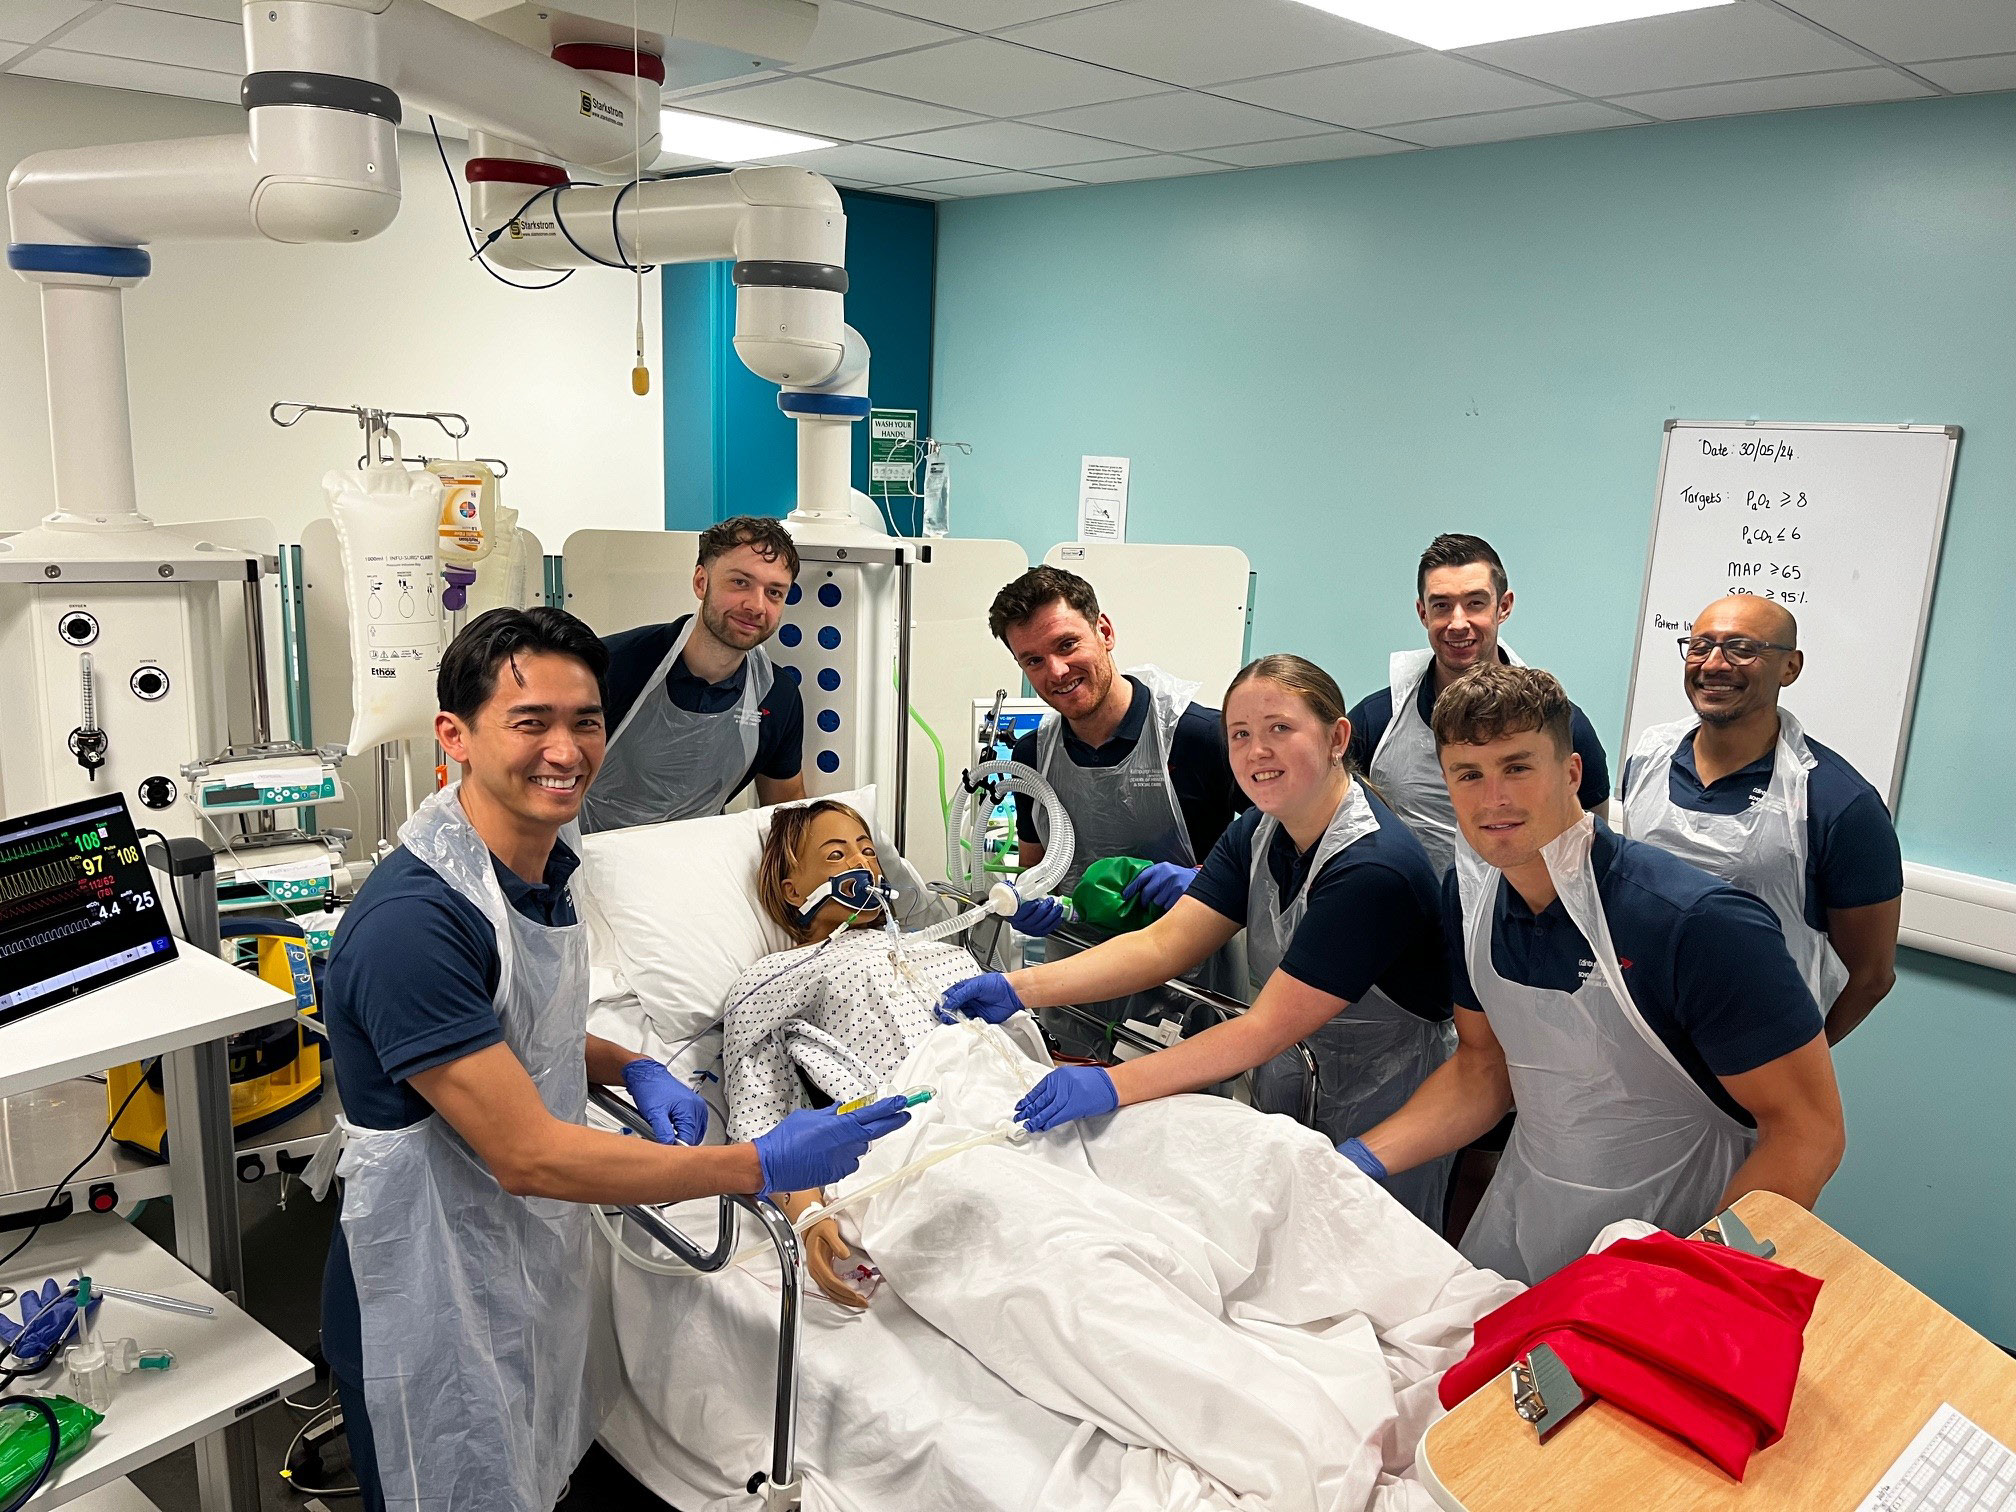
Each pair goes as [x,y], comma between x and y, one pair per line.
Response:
[1222,1245]
[1137,763]
[457,1003]
[1741,791]
[697,706]
[838,1013]
[1462,597]
[1343,938]
[1646,1017]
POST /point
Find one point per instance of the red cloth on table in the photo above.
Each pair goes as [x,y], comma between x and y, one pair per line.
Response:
[1694,1338]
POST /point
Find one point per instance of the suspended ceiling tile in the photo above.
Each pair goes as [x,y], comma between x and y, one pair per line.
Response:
[32,20]
[1410,87]
[1011,144]
[1969,75]
[882,165]
[1001,183]
[217,10]
[1508,125]
[1713,46]
[130,73]
[825,109]
[1854,86]
[983,15]
[849,32]
[156,36]
[1126,170]
[1911,31]
[1314,149]
[1206,41]
[993,78]
[1180,121]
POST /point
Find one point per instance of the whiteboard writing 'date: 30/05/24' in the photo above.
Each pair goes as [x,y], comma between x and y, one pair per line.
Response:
[1839,523]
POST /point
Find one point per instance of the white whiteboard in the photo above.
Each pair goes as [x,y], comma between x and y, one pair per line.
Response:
[1841,524]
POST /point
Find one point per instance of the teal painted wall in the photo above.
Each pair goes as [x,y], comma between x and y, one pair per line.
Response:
[728,449]
[1326,365]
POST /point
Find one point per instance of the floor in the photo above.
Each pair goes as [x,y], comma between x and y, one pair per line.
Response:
[284,1250]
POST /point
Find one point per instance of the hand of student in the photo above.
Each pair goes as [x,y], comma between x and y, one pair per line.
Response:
[1066,1094]
[816,1147]
[824,1252]
[677,1114]
[1038,917]
[986,997]
[1160,885]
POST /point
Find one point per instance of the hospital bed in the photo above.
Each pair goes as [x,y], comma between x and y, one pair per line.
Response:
[720,1383]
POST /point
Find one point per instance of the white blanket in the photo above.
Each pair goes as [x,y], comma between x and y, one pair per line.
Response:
[1185,1307]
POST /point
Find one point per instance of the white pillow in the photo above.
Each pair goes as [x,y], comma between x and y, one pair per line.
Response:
[672,911]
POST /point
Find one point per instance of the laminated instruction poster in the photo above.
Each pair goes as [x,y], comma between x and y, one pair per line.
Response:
[1102,498]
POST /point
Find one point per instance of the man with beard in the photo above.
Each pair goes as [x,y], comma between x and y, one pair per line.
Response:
[697,706]
[1741,791]
[1461,596]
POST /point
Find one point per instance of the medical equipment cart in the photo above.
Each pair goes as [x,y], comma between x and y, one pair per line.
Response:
[226,1366]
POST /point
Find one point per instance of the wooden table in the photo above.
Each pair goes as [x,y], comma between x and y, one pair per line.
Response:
[1880,1358]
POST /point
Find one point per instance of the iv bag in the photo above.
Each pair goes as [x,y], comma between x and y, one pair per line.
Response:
[387,520]
[468,511]
[500,581]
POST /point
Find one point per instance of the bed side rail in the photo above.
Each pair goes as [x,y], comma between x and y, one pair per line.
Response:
[778,1486]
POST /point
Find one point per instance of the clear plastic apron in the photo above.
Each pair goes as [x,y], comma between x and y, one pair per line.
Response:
[475,1304]
[665,762]
[1405,768]
[1372,1055]
[1763,850]
[1610,1125]
[1126,810]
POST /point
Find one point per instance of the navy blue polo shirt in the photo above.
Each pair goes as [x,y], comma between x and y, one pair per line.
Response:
[1375,711]
[635,654]
[1199,769]
[1705,962]
[1374,917]
[1852,856]
[409,984]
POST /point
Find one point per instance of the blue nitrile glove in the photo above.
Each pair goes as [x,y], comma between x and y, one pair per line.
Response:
[46,1314]
[815,1147]
[1353,1150]
[677,1113]
[1038,917]
[1068,1092]
[1161,884]
[986,997]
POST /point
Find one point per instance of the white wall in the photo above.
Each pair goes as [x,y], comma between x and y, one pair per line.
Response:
[404,321]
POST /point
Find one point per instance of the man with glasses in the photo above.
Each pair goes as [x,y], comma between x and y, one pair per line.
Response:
[1461,596]
[1742,792]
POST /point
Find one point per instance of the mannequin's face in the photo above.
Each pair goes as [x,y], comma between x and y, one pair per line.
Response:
[835,842]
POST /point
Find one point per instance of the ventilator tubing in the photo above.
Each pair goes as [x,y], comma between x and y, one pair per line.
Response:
[965,838]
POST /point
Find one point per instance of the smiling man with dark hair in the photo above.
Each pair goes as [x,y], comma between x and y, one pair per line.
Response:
[455,1303]
[697,710]
[1462,597]
[1646,1018]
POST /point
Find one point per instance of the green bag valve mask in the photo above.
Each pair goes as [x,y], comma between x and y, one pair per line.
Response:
[1098,901]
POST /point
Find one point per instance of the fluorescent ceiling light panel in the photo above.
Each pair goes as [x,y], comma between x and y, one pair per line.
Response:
[1446,24]
[716,139]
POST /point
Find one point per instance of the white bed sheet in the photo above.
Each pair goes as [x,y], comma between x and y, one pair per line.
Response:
[894,1415]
